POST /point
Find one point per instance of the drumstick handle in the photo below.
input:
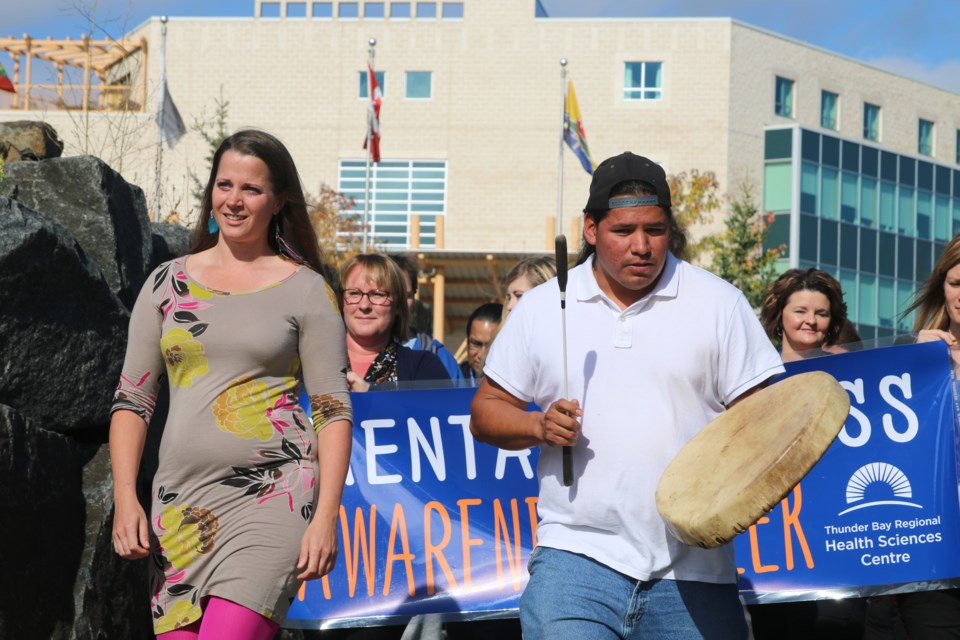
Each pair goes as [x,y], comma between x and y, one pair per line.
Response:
[560,246]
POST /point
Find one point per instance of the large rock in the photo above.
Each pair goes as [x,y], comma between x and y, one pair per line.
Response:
[29,140]
[169,241]
[42,536]
[106,215]
[62,331]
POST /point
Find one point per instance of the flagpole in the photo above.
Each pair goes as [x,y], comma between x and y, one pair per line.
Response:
[563,124]
[163,90]
[366,181]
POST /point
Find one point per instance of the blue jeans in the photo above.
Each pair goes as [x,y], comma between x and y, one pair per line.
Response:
[571,597]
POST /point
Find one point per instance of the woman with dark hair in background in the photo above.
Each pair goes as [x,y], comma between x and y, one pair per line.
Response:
[247,493]
[805,311]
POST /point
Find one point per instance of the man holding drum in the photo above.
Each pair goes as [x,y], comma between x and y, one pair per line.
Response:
[656,349]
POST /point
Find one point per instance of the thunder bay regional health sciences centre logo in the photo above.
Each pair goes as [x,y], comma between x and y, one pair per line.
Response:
[884,482]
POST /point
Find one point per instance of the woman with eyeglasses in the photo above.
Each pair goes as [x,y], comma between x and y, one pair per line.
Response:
[373,300]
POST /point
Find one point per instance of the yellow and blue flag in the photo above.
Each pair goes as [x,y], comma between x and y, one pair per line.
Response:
[573,133]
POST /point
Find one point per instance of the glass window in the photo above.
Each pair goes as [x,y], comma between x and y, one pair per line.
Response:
[871,122]
[830,151]
[348,10]
[941,218]
[957,159]
[398,190]
[269,9]
[642,80]
[848,246]
[829,193]
[381,77]
[848,197]
[885,303]
[828,110]
[888,206]
[867,300]
[848,285]
[906,214]
[888,166]
[924,175]
[925,138]
[851,156]
[808,238]
[808,187]
[829,238]
[453,11]
[322,10]
[924,259]
[868,201]
[905,257]
[810,146]
[886,254]
[783,101]
[870,162]
[956,215]
[924,215]
[778,144]
[942,186]
[778,234]
[419,85]
[868,250]
[426,10]
[908,171]
[904,295]
[374,10]
[399,10]
[296,9]
[777,182]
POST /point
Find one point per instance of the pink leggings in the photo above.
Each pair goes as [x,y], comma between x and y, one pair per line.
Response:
[225,619]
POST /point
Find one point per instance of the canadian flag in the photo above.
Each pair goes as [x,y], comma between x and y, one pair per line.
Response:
[373,115]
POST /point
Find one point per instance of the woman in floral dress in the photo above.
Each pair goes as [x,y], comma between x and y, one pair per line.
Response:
[246,497]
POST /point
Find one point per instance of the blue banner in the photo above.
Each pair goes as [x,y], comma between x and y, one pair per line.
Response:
[881,507]
[434,522]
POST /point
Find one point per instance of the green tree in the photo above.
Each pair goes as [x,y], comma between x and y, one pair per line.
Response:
[737,254]
[694,197]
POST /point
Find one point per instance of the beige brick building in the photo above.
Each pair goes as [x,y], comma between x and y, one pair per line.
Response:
[473,106]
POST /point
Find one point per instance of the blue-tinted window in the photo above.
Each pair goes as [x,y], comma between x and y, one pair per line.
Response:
[828,110]
[808,187]
[642,80]
[905,291]
[322,10]
[885,303]
[957,159]
[906,215]
[783,101]
[808,238]
[778,144]
[419,85]
[848,246]
[296,9]
[908,171]
[381,77]
[269,9]
[829,193]
[871,122]
[426,10]
[830,150]
[848,286]
[778,234]
[888,166]
[868,201]
[887,254]
[871,164]
[924,175]
[905,257]
[810,146]
[867,300]
[399,10]
[925,138]
[374,10]
[453,11]
[851,156]
[942,186]
[348,10]
[868,250]
[924,259]
[829,238]
[888,206]
[941,218]
[924,215]
[848,197]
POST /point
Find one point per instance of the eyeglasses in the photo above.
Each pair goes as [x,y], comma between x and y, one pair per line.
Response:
[354,296]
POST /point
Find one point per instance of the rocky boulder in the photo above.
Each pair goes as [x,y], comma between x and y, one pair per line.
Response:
[29,140]
[62,331]
[169,241]
[107,215]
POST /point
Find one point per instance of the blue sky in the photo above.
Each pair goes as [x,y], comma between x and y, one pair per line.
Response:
[916,39]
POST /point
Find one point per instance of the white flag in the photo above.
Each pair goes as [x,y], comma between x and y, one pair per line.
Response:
[169,120]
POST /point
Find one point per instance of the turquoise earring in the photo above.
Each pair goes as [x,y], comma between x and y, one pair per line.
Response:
[212,225]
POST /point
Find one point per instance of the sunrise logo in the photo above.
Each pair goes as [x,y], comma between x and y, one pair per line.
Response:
[882,483]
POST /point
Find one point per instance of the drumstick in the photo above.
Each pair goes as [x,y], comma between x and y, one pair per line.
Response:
[560,245]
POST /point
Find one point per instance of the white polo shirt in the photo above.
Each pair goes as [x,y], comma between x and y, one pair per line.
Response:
[648,378]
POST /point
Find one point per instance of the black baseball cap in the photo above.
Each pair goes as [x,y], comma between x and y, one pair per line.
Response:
[621,168]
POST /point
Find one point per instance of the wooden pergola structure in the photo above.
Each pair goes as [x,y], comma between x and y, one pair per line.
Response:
[105,85]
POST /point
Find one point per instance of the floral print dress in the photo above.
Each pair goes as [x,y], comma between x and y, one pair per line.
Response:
[237,477]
